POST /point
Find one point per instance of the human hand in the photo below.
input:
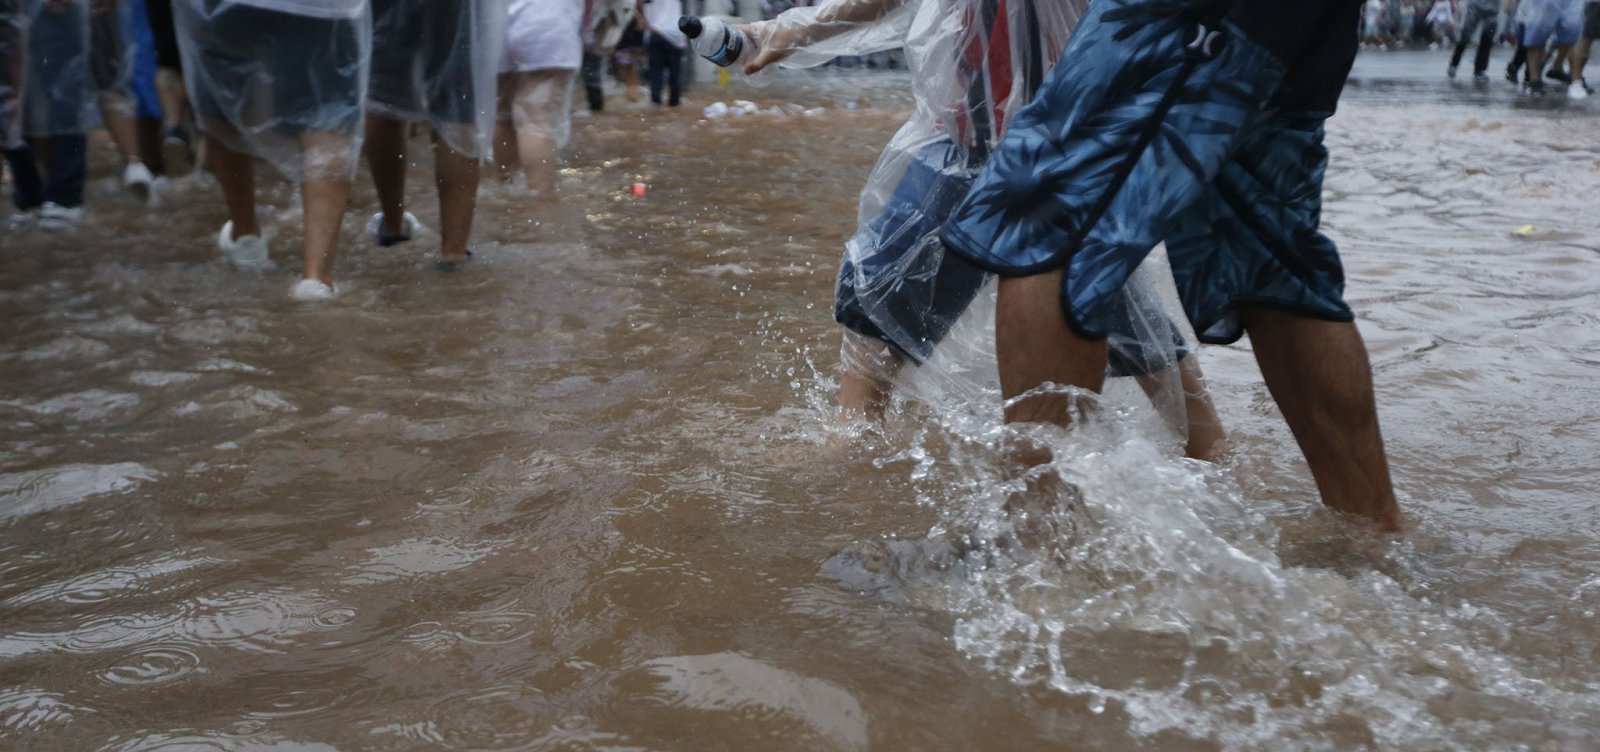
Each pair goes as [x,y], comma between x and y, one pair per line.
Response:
[775,41]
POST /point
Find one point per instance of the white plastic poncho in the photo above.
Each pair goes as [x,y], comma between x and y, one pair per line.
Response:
[13,70]
[434,61]
[112,52]
[661,16]
[608,20]
[58,95]
[973,64]
[284,80]
[1551,18]
[543,37]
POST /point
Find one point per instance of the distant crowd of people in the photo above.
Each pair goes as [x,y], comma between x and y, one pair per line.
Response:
[1550,39]
[310,87]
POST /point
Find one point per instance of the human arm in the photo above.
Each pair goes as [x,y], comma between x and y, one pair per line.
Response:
[836,27]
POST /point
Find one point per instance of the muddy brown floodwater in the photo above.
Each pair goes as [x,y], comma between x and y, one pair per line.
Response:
[584,494]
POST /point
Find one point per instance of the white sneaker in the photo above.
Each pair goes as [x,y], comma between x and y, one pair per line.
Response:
[23,219]
[54,217]
[248,253]
[1577,90]
[408,227]
[136,178]
[160,188]
[312,289]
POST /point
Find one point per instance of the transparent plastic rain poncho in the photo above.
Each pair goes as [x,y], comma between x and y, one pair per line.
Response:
[58,93]
[608,20]
[434,61]
[1553,19]
[13,70]
[544,48]
[278,79]
[973,64]
[112,53]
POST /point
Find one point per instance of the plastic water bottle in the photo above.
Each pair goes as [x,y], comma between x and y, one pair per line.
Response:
[716,41]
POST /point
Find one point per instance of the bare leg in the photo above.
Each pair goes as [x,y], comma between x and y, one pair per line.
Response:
[236,173]
[1580,58]
[386,158]
[178,158]
[536,129]
[1319,375]
[505,149]
[630,81]
[1204,437]
[1563,53]
[1536,57]
[505,132]
[457,177]
[149,130]
[1208,441]
[1034,347]
[538,152]
[865,370]
[169,90]
[117,112]
[325,194]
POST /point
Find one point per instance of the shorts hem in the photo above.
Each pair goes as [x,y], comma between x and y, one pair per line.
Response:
[1237,333]
[957,242]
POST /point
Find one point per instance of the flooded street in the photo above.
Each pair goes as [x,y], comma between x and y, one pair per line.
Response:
[585,494]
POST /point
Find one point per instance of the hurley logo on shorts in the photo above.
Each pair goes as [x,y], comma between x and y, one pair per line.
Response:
[1207,42]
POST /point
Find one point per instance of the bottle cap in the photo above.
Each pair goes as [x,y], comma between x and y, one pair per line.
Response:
[690,26]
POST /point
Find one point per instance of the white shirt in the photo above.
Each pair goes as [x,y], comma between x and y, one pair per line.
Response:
[662,16]
[312,8]
[543,35]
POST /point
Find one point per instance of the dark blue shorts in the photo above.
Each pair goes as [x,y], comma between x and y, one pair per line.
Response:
[916,290]
[1163,124]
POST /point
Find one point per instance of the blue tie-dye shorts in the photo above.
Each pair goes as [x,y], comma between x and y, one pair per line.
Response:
[898,285]
[1163,124]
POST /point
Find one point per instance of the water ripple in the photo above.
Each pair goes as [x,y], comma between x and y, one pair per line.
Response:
[158,664]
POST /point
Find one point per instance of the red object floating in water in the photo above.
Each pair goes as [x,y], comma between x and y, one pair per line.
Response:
[639,190]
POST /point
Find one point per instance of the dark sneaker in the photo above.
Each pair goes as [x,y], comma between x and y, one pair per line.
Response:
[409,225]
[1451,72]
[452,266]
[177,152]
[1557,75]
